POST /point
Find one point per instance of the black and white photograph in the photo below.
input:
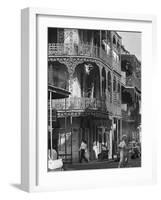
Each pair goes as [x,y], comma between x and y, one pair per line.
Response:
[94,99]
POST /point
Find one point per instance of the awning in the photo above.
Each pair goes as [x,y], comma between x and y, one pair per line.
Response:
[58,93]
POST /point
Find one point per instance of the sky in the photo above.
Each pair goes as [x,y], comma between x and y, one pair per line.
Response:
[132,42]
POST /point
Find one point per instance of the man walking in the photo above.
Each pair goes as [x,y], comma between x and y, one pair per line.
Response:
[83,150]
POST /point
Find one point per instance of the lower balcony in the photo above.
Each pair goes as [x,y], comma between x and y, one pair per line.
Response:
[79,103]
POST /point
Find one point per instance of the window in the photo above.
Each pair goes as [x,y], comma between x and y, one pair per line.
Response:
[118,88]
[114,84]
[103,81]
[114,40]
[109,81]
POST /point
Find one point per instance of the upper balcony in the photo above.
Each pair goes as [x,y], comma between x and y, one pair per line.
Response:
[81,49]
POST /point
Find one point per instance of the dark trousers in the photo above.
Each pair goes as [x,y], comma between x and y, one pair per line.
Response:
[82,155]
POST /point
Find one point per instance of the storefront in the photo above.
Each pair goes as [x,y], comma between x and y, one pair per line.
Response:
[73,127]
[53,133]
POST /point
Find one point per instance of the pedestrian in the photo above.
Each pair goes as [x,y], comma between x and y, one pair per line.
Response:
[83,150]
[52,154]
[123,151]
[95,149]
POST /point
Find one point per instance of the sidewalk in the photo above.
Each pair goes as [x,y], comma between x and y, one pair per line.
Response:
[106,164]
[96,164]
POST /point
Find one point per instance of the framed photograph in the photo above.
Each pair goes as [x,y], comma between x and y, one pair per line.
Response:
[86,109]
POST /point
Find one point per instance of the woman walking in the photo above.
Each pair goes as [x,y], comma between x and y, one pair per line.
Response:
[123,151]
[95,149]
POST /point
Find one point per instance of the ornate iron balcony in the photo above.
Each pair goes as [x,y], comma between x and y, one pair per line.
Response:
[81,49]
[79,103]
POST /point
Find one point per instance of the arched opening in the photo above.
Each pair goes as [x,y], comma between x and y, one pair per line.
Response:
[87,79]
[58,75]
[103,82]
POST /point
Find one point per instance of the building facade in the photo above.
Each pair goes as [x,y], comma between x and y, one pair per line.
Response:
[87,64]
[131,95]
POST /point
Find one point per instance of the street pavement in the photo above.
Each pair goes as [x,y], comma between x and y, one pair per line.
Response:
[108,164]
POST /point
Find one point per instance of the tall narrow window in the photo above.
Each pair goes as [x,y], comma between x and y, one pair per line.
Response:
[118,88]
[103,81]
[114,40]
[109,81]
[114,84]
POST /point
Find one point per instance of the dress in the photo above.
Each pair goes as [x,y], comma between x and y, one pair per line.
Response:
[122,147]
[96,150]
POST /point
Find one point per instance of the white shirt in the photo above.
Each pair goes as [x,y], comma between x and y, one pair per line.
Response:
[122,145]
[83,146]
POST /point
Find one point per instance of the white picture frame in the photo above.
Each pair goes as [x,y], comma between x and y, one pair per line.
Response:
[33,108]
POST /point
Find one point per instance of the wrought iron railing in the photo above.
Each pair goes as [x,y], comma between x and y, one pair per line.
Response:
[82,49]
[79,103]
